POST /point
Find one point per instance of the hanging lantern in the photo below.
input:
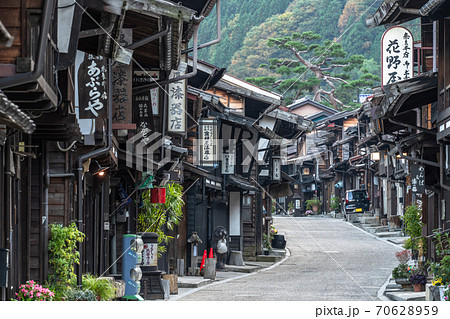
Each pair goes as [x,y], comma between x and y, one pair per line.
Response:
[158,195]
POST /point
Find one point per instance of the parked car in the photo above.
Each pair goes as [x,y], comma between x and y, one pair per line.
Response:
[356,201]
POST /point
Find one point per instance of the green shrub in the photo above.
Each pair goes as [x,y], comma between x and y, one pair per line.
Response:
[102,287]
[335,203]
[63,255]
[79,295]
[401,271]
[313,202]
[413,226]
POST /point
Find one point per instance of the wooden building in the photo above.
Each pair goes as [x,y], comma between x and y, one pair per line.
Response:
[409,117]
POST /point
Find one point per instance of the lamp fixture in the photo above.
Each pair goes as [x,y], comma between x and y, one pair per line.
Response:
[101,170]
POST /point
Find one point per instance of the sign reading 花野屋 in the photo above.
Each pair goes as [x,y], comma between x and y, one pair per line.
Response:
[396,55]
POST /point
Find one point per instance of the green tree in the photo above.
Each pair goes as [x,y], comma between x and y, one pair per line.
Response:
[156,217]
[312,66]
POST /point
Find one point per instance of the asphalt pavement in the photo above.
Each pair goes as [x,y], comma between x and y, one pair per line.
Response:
[328,260]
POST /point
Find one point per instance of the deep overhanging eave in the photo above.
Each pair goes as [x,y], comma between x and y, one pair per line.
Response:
[148,7]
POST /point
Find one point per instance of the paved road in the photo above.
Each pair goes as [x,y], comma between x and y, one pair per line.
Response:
[329,260]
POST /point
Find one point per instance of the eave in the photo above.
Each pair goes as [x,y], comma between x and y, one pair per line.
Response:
[146,7]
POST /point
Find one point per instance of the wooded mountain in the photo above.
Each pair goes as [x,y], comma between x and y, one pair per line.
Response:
[247,25]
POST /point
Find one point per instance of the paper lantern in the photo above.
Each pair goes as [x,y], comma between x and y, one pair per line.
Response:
[158,195]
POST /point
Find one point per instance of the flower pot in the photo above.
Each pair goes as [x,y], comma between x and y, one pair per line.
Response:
[418,288]
[266,252]
[441,292]
[404,282]
[315,208]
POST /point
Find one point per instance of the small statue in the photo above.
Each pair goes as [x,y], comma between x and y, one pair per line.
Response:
[219,241]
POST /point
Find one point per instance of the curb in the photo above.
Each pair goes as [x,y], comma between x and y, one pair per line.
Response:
[218,282]
[381,291]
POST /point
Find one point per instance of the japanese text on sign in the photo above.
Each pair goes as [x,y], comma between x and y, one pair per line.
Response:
[92,84]
[177,102]
[228,163]
[149,255]
[145,104]
[418,178]
[276,176]
[208,143]
[397,55]
[122,86]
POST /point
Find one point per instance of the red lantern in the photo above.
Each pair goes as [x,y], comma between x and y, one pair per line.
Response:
[158,196]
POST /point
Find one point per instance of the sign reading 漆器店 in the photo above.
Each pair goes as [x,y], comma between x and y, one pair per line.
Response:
[177,102]
[396,55]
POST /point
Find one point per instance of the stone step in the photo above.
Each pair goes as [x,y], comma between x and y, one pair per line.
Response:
[406,296]
[375,229]
[268,258]
[369,220]
[388,234]
[192,281]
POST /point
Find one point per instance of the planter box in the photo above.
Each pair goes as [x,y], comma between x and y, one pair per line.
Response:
[404,282]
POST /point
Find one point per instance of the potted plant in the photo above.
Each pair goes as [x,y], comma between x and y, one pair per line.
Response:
[441,269]
[418,279]
[291,207]
[335,204]
[154,217]
[313,204]
[267,243]
[446,294]
[413,227]
[32,291]
[401,274]
[101,287]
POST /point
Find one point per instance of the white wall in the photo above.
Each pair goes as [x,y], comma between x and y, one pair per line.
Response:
[234,203]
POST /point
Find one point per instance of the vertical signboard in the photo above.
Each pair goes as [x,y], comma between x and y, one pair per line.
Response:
[228,163]
[149,255]
[177,102]
[92,87]
[122,86]
[276,166]
[208,142]
[145,104]
[418,178]
[396,55]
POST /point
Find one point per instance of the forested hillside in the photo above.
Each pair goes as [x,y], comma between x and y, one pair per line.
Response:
[247,25]
[238,17]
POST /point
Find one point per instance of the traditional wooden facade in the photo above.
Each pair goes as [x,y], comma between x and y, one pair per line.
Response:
[51,152]
[409,118]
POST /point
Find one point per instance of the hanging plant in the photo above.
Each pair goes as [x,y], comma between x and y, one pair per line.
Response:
[63,254]
[155,217]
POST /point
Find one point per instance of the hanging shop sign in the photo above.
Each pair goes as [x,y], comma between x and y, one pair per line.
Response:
[228,163]
[92,87]
[145,104]
[276,169]
[418,178]
[122,86]
[208,142]
[396,55]
[177,102]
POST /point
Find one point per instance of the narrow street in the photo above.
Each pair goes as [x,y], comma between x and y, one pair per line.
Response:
[329,260]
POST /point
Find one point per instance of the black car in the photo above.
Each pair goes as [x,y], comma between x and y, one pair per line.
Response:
[356,201]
